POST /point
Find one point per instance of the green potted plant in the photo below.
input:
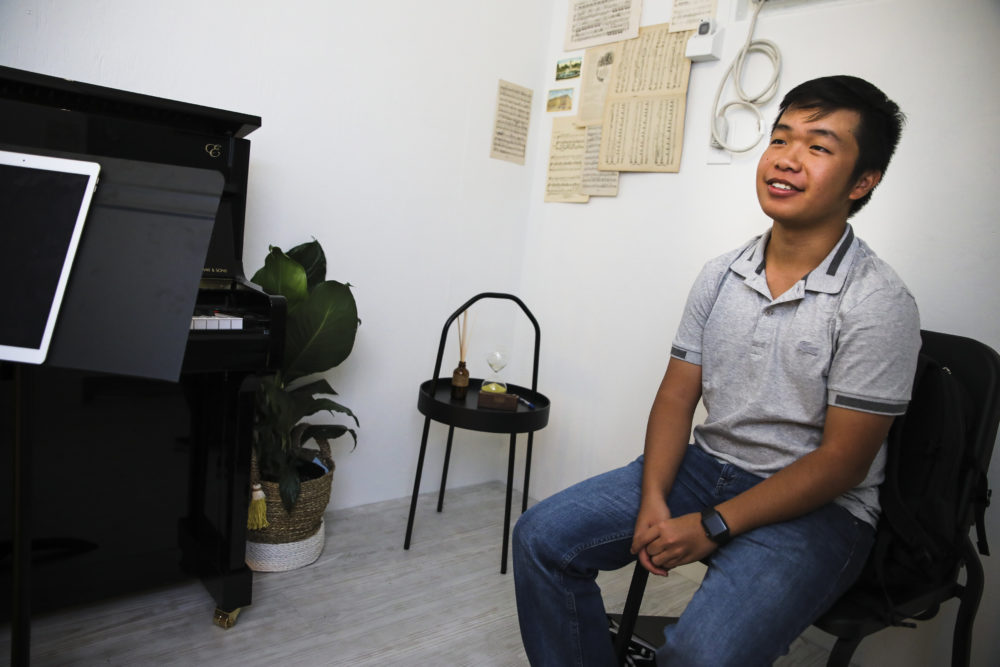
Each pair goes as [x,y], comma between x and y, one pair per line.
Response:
[322,323]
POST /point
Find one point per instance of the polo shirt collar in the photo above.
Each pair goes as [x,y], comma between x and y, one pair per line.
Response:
[831,274]
[828,277]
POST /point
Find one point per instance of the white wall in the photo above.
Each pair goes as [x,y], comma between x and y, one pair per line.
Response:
[375,137]
[375,140]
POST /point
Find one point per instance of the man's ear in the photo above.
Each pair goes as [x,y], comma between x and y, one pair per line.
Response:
[865,184]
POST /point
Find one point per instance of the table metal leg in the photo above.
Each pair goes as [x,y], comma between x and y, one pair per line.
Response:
[444,472]
[506,513]
[527,473]
[416,483]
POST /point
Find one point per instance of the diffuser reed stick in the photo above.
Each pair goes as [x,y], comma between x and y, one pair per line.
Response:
[463,335]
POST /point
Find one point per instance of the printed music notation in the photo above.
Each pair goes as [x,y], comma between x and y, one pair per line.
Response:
[643,124]
[510,126]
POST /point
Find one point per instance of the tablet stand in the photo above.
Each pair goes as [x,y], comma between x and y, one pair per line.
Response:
[126,311]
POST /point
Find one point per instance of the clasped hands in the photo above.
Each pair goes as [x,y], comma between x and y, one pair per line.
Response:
[663,542]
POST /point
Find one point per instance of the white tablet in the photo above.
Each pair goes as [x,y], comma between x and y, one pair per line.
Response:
[43,205]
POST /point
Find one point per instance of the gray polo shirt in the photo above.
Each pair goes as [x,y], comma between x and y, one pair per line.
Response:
[847,335]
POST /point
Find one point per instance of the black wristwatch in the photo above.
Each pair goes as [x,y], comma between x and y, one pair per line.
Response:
[715,526]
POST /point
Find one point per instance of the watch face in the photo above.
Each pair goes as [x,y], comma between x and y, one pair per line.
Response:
[714,524]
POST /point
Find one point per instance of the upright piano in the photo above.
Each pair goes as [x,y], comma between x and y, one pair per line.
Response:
[136,482]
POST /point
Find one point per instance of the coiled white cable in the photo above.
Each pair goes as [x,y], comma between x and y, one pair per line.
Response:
[719,122]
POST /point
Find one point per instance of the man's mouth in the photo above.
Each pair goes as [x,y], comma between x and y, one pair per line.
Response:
[783,186]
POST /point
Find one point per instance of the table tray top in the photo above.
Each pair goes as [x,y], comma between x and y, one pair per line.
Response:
[465,414]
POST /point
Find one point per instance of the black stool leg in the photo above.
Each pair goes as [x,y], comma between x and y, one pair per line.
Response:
[972,594]
[506,512]
[416,483]
[444,472]
[840,654]
[527,473]
[631,611]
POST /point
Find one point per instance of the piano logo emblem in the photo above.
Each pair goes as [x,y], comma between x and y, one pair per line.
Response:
[213,150]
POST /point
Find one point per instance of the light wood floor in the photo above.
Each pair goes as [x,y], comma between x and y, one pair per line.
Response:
[366,601]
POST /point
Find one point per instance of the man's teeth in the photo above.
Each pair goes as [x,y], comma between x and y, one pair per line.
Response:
[781,186]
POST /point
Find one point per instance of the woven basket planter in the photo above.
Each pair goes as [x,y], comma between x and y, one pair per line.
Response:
[291,539]
[262,557]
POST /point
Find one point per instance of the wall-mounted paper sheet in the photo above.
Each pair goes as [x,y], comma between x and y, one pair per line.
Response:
[510,126]
[598,61]
[593,22]
[595,182]
[566,154]
[643,126]
[688,14]
[560,100]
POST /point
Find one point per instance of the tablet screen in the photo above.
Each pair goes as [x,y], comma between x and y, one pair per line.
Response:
[43,206]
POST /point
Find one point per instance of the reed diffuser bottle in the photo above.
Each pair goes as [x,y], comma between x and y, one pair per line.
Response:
[460,377]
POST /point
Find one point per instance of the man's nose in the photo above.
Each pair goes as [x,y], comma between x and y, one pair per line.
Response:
[789,159]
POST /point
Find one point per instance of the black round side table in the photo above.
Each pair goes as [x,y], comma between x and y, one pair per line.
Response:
[435,403]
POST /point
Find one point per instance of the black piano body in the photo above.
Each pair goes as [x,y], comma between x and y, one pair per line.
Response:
[136,482]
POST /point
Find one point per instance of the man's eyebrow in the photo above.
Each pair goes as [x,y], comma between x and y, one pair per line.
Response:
[822,131]
[826,133]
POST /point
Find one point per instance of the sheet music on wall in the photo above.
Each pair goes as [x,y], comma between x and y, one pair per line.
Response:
[593,22]
[572,175]
[567,150]
[643,125]
[633,99]
[510,125]
[687,14]
[595,77]
[595,182]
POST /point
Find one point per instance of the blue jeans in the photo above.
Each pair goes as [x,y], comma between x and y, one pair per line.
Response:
[761,590]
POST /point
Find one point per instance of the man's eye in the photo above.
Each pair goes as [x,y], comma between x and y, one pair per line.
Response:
[776,141]
[821,149]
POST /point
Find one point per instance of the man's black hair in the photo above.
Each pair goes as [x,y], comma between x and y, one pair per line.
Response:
[878,130]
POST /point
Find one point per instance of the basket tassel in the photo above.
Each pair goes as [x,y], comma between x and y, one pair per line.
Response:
[257,516]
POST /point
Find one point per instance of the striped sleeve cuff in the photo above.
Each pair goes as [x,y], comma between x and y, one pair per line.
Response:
[865,404]
[686,355]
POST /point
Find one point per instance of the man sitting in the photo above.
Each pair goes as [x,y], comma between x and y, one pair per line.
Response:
[802,345]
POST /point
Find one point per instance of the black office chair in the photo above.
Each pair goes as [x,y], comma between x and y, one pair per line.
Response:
[862,610]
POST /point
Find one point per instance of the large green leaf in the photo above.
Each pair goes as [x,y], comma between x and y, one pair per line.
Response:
[328,431]
[312,405]
[342,409]
[320,331]
[289,487]
[312,258]
[311,398]
[281,413]
[318,386]
[283,275]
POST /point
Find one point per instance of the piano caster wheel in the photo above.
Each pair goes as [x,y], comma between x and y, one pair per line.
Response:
[225,619]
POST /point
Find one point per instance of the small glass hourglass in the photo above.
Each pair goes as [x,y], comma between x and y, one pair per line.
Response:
[497,360]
